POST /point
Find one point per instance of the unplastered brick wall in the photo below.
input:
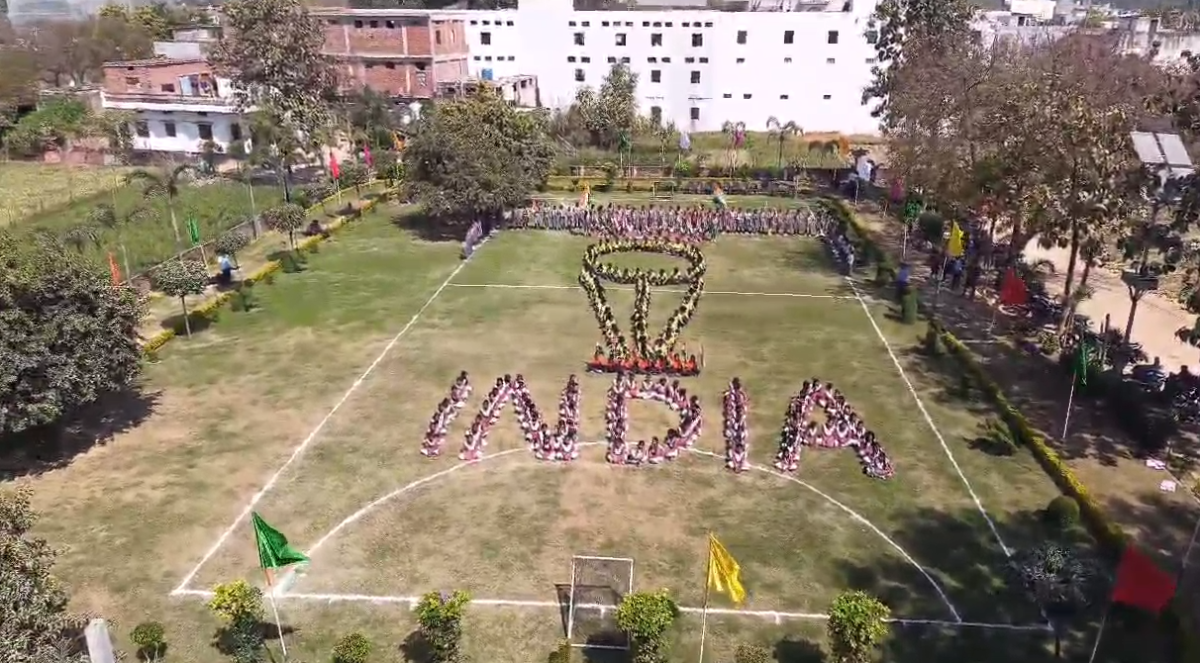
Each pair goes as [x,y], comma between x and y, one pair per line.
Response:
[150,75]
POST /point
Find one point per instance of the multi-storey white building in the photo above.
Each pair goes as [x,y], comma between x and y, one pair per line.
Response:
[696,68]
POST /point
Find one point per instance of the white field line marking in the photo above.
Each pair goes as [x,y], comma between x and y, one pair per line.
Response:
[706,291]
[313,435]
[851,512]
[776,615]
[929,420]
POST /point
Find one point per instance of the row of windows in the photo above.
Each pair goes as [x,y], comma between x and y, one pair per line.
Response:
[389,24]
[498,58]
[656,38]
[694,112]
[496,23]
[645,24]
[667,60]
[203,129]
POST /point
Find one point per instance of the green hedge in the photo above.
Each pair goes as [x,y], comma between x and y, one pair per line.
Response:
[1110,535]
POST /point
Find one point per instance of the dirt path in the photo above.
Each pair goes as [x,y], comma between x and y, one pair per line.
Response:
[1157,316]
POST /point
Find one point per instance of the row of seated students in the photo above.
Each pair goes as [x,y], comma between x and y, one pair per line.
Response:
[616,419]
[735,405]
[842,249]
[678,223]
[444,415]
[562,443]
[842,428]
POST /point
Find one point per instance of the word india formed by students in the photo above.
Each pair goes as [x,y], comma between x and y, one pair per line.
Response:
[650,369]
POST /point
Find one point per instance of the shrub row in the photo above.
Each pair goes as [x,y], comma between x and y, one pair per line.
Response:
[1110,535]
[208,310]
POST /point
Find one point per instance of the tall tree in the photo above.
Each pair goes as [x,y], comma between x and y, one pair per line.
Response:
[610,113]
[271,50]
[67,335]
[476,156]
[34,623]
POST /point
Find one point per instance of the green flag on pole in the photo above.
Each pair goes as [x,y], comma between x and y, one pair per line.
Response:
[1082,359]
[624,144]
[274,552]
[193,228]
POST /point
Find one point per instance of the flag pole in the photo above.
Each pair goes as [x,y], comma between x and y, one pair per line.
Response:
[937,294]
[707,590]
[1100,633]
[275,611]
[1070,404]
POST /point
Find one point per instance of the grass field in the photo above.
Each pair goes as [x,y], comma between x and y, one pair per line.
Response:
[377,327]
[32,188]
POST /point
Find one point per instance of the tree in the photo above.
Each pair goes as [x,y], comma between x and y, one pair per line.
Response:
[34,622]
[439,619]
[856,626]
[476,156]
[164,184]
[275,147]
[610,114]
[897,24]
[647,617]
[781,132]
[1060,581]
[180,278]
[286,218]
[19,84]
[151,641]
[272,51]
[230,242]
[67,335]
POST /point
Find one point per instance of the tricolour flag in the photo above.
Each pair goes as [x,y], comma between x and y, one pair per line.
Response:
[334,170]
[274,552]
[956,246]
[724,573]
[1140,583]
[113,270]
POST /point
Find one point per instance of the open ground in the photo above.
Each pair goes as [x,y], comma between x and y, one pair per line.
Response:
[375,329]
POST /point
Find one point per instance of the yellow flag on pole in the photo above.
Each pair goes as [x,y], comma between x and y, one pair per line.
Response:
[955,247]
[724,573]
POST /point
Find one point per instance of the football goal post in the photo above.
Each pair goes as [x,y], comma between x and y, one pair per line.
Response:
[597,586]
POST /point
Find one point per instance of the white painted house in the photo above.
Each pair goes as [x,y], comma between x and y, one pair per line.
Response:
[806,62]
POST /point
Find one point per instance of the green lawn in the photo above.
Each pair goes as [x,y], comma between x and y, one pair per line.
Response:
[231,405]
[35,188]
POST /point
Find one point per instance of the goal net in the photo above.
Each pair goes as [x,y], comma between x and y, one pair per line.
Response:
[597,586]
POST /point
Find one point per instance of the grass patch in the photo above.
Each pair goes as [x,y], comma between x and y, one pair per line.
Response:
[37,188]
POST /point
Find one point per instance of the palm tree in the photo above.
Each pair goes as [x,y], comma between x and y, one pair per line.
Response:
[781,132]
[163,184]
[275,148]
[80,236]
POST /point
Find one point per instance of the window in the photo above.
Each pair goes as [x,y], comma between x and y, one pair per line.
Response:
[437,37]
[142,129]
[586,23]
[688,25]
[695,77]
[656,114]
[132,81]
[787,60]
[669,24]
[872,36]
[169,128]
[392,65]
[747,96]
[604,24]
[690,60]
[513,58]
[655,76]
[373,24]
[612,60]
[390,25]
[508,23]
[833,37]
[332,21]
[487,58]
[830,61]
[695,113]
[645,24]
[620,39]
[579,39]
[652,60]
[570,58]
[658,24]
[656,39]
[205,130]
[827,97]
[358,24]
[477,59]
[666,60]
[697,39]
[708,24]
[727,95]
[789,36]
[741,60]
[571,23]
[783,96]
[579,75]
[870,60]
[585,59]
[703,60]
[235,132]
[168,87]
[624,60]
[485,38]
[371,65]
[741,38]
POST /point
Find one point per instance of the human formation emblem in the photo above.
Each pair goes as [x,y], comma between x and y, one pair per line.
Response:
[654,368]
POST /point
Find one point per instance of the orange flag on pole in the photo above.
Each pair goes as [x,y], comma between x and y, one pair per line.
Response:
[113,269]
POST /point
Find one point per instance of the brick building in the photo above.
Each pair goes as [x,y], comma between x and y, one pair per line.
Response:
[404,53]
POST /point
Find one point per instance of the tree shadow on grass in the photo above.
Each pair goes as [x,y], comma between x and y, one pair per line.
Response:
[225,639]
[174,322]
[798,650]
[53,446]
[432,228]
[416,649]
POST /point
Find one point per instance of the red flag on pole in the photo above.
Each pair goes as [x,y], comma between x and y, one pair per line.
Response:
[113,269]
[367,156]
[897,190]
[1140,583]
[1012,289]
[333,166]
